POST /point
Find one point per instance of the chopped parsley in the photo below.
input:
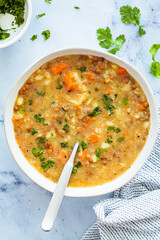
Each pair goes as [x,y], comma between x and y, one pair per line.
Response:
[96,89]
[34,37]
[76,7]
[30,102]
[118,130]
[106,99]
[64,145]
[109,141]
[33,131]
[116,95]
[59,86]
[48,1]
[59,121]
[40,119]
[83,144]
[52,134]
[111,128]
[120,139]
[82,69]
[3,33]
[41,139]
[98,153]
[41,93]
[37,151]
[47,164]
[110,109]
[76,167]
[46,34]
[53,103]
[95,112]
[40,15]
[15,8]
[66,127]
[132,15]
[21,110]
[64,109]
[41,158]
[106,41]
[124,101]
[153,50]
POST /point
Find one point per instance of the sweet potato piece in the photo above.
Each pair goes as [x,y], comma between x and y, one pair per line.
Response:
[58,67]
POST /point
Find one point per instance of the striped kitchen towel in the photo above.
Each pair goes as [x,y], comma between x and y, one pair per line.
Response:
[134,212]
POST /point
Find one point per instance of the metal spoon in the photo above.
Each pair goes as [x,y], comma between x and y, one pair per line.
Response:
[56,199]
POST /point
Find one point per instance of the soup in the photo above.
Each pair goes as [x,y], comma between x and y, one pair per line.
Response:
[87,99]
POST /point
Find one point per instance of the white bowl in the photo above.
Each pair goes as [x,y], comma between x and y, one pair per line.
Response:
[6,20]
[88,191]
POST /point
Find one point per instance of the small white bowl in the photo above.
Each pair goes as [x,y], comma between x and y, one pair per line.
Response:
[88,191]
[16,34]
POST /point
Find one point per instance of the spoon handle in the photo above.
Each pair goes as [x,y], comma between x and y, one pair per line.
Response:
[56,200]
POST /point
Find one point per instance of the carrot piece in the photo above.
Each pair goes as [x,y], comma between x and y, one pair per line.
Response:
[58,67]
[108,90]
[63,155]
[91,76]
[121,71]
[70,82]
[140,107]
[83,158]
[94,138]
[87,124]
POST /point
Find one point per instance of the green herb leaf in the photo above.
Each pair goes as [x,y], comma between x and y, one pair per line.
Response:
[107,99]
[41,158]
[46,34]
[41,139]
[34,37]
[111,128]
[132,15]
[21,110]
[53,103]
[64,145]
[120,139]
[48,1]
[106,41]
[82,69]
[155,69]
[37,151]
[40,119]
[33,131]
[125,101]
[76,167]
[59,86]
[30,102]
[118,130]
[141,31]
[47,164]
[83,144]
[96,89]
[40,15]
[95,112]
[52,134]
[110,109]
[77,7]
[59,121]
[41,93]
[153,50]
[3,33]
[98,153]
[66,127]
[64,109]
[109,141]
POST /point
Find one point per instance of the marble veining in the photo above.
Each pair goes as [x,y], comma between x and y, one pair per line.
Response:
[22,202]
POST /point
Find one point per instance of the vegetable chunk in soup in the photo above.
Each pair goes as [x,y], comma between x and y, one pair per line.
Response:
[87,99]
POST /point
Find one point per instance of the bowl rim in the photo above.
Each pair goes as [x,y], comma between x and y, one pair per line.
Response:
[126,176]
[24,28]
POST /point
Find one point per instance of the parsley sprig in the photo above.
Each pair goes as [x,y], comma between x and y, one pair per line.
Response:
[132,15]
[155,66]
[106,41]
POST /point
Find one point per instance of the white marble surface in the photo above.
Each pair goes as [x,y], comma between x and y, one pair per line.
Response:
[22,203]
